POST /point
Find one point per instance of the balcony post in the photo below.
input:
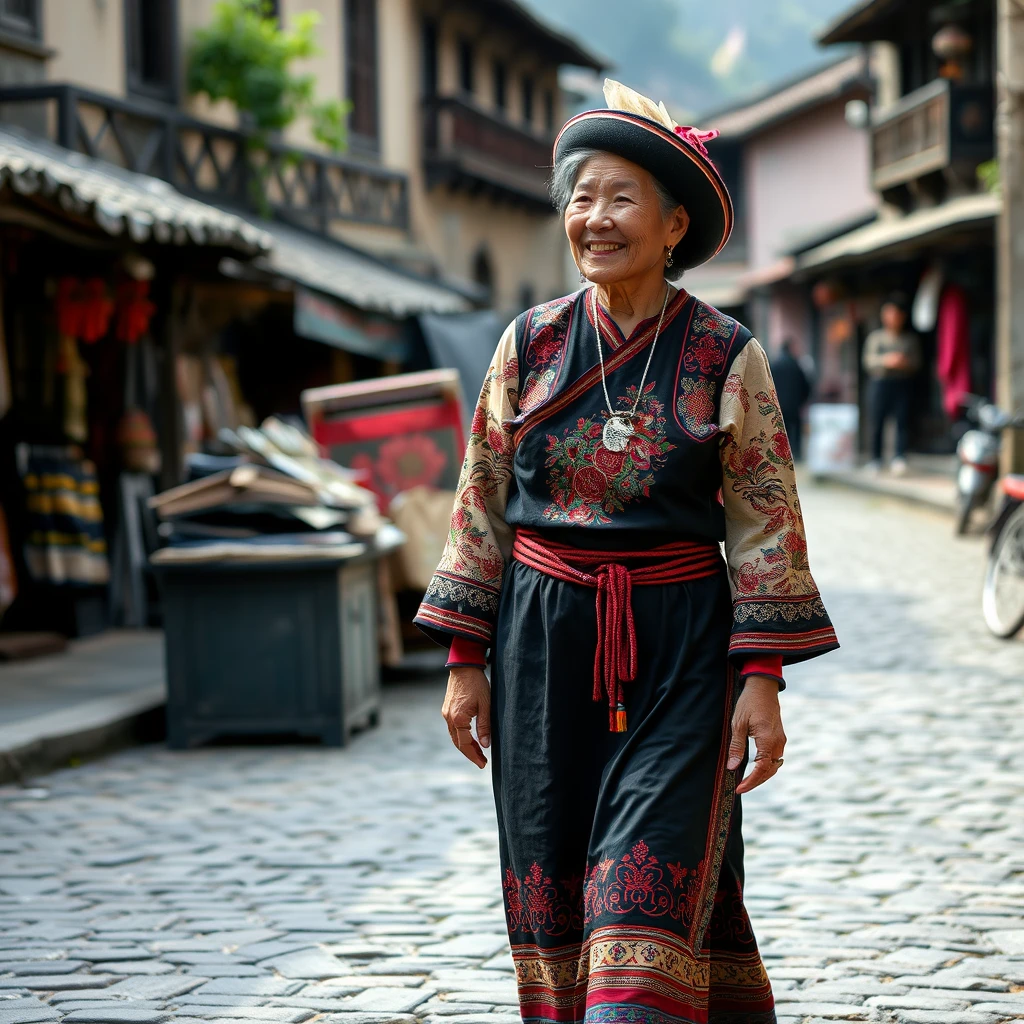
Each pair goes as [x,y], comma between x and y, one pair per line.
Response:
[67,117]
[1010,251]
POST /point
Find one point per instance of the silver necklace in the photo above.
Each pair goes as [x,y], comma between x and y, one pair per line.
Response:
[618,428]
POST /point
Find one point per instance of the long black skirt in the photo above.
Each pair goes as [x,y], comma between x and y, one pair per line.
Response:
[621,854]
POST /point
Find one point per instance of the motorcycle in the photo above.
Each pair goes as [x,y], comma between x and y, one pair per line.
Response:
[1003,595]
[978,452]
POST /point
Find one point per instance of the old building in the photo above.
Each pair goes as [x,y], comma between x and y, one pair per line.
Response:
[453,108]
[931,142]
[165,276]
[797,169]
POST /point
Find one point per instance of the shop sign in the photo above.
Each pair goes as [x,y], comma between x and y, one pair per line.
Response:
[334,323]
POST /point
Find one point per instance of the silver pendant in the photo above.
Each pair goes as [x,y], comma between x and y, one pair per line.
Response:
[616,434]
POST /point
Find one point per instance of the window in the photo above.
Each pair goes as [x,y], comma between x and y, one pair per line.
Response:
[429,58]
[466,66]
[151,34]
[21,17]
[528,101]
[500,82]
[549,111]
[361,65]
[483,272]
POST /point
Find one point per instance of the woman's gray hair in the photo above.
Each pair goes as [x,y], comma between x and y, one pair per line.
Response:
[563,181]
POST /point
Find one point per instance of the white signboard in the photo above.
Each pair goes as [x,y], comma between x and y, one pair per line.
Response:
[832,440]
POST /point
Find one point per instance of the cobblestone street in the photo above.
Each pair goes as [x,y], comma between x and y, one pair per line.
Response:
[885,863]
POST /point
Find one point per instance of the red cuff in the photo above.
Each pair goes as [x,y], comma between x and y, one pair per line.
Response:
[762,665]
[471,652]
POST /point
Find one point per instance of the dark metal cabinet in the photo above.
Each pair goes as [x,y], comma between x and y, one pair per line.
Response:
[255,649]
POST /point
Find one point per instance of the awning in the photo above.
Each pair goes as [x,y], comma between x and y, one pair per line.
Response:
[718,284]
[889,236]
[320,318]
[721,295]
[120,202]
[464,343]
[329,266]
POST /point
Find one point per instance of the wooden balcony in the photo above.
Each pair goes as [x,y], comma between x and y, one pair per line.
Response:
[933,139]
[468,149]
[219,165]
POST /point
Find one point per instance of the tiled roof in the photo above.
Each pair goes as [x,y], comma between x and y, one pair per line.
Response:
[120,202]
[354,276]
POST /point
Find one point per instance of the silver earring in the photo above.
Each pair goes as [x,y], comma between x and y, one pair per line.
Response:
[583,277]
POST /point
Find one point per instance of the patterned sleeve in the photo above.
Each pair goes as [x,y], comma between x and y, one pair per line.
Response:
[776,605]
[462,597]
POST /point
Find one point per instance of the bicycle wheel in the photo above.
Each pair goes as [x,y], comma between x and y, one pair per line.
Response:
[1003,597]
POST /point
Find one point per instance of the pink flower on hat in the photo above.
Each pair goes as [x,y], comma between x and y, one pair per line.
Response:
[696,138]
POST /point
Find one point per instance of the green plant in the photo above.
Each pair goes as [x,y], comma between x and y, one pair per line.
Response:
[244,56]
[988,175]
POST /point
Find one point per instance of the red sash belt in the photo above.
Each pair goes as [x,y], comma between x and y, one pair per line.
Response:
[616,655]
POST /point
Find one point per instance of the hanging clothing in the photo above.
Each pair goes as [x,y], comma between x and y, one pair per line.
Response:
[65,543]
[616,630]
[953,356]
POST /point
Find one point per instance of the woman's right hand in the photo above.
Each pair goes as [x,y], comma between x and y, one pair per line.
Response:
[468,697]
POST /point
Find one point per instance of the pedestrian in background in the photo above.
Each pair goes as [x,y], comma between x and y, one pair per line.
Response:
[609,423]
[892,355]
[793,388]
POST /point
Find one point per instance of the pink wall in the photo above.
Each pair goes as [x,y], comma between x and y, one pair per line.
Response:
[809,173]
[788,317]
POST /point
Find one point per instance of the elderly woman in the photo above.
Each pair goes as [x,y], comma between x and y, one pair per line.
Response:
[622,433]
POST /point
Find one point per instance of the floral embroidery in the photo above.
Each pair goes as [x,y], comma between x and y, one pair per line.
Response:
[588,482]
[695,406]
[487,468]
[638,884]
[734,386]
[547,333]
[534,904]
[782,568]
[708,321]
[705,354]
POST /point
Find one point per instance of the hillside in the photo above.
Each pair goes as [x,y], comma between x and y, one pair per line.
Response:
[698,54]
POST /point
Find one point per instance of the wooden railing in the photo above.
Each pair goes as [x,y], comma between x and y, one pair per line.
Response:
[209,162]
[941,126]
[468,147]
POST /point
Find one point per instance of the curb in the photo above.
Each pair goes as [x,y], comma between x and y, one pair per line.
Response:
[50,742]
[882,490]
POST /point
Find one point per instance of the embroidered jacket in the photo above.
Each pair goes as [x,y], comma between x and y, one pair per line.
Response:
[709,460]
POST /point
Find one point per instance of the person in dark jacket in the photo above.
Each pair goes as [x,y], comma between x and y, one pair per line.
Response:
[793,389]
[892,356]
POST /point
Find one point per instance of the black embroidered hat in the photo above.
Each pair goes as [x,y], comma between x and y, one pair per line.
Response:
[644,132]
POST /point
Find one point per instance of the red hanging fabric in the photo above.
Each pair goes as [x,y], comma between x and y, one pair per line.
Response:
[83,309]
[953,357]
[134,311]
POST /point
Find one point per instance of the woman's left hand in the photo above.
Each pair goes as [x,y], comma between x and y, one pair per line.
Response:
[757,715]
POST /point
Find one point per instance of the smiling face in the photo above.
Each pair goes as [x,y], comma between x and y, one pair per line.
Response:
[617,226]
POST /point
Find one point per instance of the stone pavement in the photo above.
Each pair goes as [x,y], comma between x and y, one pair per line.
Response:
[293,884]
